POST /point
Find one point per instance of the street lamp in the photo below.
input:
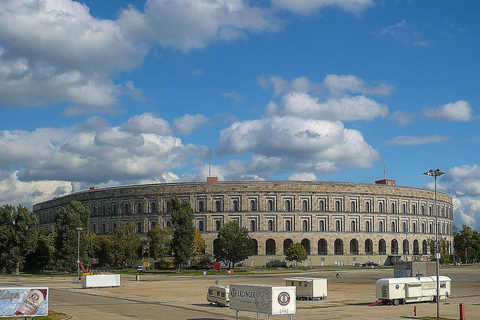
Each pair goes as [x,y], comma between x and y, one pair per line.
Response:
[436,173]
[78,253]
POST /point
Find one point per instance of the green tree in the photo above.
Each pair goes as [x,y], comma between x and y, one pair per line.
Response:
[159,240]
[233,244]
[296,252]
[125,244]
[467,244]
[443,249]
[18,236]
[183,231]
[43,256]
[103,250]
[66,222]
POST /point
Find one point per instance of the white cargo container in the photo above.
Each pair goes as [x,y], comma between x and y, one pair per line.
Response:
[412,289]
[218,295]
[270,300]
[308,288]
[100,281]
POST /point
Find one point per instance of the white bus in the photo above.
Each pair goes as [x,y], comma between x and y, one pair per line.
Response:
[219,295]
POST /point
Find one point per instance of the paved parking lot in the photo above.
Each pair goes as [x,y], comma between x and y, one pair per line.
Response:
[184,297]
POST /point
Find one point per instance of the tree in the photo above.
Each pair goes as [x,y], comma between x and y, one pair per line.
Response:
[198,246]
[103,250]
[467,243]
[183,231]
[43,256]
[125,244]
[443,248]
[233,244]
[296,252]
[159,240]
[67,220]
[18,236]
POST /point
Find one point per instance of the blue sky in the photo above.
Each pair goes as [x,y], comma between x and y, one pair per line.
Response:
[142,91]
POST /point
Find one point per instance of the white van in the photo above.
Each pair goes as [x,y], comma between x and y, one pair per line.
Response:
[219,295]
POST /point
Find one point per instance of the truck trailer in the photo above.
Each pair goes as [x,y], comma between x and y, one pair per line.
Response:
[412,289]
[308,288]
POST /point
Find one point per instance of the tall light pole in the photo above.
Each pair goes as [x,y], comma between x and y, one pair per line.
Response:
[78,253]
[436,173]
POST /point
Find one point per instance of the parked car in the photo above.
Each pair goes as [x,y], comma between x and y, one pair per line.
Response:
[370,264]
[141,269]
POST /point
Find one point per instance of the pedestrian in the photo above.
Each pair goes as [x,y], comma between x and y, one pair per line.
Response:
[337,276]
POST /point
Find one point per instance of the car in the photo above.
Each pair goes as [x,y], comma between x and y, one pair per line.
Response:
[141,269]
[370,264]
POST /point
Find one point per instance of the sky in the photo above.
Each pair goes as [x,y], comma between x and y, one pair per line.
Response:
[121,92]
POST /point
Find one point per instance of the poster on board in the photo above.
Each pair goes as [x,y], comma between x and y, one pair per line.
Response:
[23,301]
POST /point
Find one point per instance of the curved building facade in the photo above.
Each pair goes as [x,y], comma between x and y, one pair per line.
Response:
[338,223]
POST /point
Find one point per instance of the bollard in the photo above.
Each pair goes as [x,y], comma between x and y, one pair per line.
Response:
[137,277]
[462,311]
[415,311]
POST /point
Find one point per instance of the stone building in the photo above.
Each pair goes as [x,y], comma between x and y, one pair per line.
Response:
[338,223]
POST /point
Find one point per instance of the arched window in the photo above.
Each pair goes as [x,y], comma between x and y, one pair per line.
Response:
[286,244]
[367,226]
[322,247]
[139,227]
[139,208]
[270,205]
[305,206]
[94,228]
[153,207]
[270,225]
[380,207]
[414,208]
[416,249]
[394,227]
[394,246]
[169,224]
[321,225]
[169,207]
[367,207]
[380,227]
[94,211]
[153,225]
[424,247]
[306,244]
[382,247]
[338,226]
[201,207]
[104,228]
[354,247]
[288,225]
[252,225]
[404,226]
[321,206]
[353,206]
[253,205]
[288,205]
[270,247]
[338,247]
[423,210]
[104,210]
[430,210]
[114,209]
[114,227]
[217,225]
[404,208]
[255,242]
[414,225]
[218,207]
[338,206]
[353,226]
[235,205]
[423,228]
[406,247]
[368,246]
[393,207]
[304,225]
[200,225]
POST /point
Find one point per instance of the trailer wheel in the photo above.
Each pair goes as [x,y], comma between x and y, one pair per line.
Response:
[395,302]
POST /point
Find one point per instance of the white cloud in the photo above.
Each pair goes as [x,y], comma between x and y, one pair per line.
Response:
[304,176]
[406,33]
[309,6]
[402,118]
[312,145]
[344,108]
[234,95]
[148,123]
[457,111]
[189,123]
[413,141]
[339,85]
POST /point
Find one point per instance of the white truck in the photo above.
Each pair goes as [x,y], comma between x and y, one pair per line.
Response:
[266,299]
[412,289]
[308,288]
[219,295]
[100,281]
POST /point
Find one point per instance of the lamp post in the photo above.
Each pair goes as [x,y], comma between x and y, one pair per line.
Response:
[436,173]
[78,253]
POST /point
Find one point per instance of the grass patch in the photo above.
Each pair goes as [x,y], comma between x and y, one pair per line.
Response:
[52,315]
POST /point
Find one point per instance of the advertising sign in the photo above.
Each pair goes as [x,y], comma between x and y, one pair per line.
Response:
[23,301]
[271,300]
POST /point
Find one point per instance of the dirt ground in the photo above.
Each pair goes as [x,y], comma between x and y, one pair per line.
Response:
[348,297]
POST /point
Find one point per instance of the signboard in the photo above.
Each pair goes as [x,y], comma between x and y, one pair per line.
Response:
[271,300]
[23,301]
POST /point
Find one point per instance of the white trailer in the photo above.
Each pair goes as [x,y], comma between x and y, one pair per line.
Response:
[308,288]
[219,295]
[100,281]
[412,289]
[266,299]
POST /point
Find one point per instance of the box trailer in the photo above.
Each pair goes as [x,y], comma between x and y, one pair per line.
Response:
[100,281]
[308,288]
[219,295]
[412,289]
[266,299]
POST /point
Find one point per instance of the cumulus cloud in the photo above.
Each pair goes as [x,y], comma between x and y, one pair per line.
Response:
[344,108]
[62,157]
[306,144]
[414,141]
[339,85]
[402,118]
[309,6]
[457,111]
[189,123]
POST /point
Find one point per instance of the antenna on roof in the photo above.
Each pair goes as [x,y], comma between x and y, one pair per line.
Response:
[210,178]
[384,173]
[93,175]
